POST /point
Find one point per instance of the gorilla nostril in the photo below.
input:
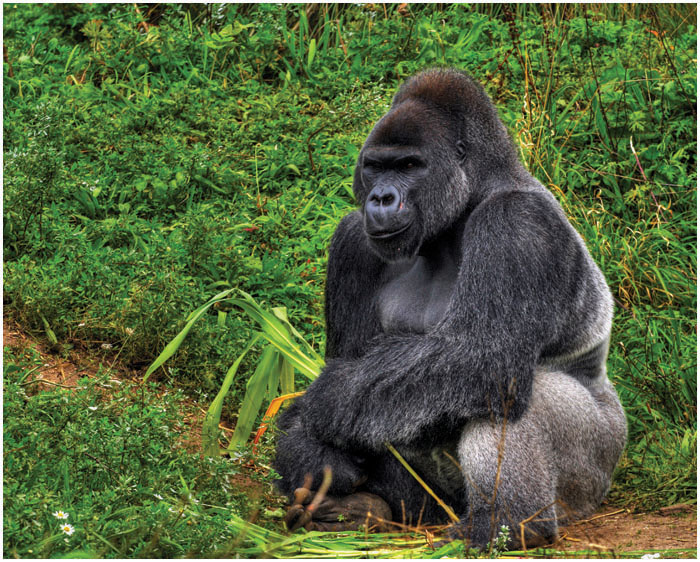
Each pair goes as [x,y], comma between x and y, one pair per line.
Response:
[383,204]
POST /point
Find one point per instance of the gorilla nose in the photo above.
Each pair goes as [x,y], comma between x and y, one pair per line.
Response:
[385,198]
[383,211]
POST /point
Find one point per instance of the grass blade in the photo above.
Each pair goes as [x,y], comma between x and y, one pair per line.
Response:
[270,413]
[210,428]
[176,342]
[255,393]
[427,488]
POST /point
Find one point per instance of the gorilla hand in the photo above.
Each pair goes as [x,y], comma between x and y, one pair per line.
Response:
[333,406]
[300,454]
[347,513]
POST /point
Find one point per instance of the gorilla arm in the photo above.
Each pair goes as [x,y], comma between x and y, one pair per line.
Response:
[522,270]
[354,274]
[351,324]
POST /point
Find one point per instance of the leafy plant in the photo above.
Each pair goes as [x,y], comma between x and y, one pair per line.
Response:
[99,470]
[286,350]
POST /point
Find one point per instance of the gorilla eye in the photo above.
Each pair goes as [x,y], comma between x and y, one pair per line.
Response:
[372,166]
[408,164]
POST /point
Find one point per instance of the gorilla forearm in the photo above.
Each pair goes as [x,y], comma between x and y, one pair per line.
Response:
[408,385]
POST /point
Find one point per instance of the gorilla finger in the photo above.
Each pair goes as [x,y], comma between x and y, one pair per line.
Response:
[297,517]
[302,496]
[327,508]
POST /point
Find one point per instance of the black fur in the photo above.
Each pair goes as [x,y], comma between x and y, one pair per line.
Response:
[456,289]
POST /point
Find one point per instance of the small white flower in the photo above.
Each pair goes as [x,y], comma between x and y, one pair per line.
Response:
[651,556]
[67,529]
[158,496]
[106,346]
[60,514]
[81,324]
[93,408]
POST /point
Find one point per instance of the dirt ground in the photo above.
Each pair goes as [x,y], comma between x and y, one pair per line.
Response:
[611,532]
[617,530]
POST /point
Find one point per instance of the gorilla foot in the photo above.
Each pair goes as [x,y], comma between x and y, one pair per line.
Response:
[348,513]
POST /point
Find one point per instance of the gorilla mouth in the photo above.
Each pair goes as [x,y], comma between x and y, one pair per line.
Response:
[387,234]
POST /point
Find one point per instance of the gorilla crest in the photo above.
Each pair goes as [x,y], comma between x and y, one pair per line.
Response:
[468,326]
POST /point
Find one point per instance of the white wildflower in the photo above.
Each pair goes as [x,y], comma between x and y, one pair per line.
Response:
[60,514]
[67,529]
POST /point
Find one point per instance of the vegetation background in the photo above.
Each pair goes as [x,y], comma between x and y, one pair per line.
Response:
[155,155]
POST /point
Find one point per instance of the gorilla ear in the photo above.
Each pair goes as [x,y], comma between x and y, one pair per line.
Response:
[461,151]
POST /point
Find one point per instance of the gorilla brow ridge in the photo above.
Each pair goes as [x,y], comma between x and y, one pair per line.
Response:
[403,125]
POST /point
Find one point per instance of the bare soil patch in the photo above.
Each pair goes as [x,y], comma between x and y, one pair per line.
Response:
[57,370]
[65,370]
[612,532]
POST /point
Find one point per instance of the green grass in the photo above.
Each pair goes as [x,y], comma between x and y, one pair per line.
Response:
[147,168]
[111,456]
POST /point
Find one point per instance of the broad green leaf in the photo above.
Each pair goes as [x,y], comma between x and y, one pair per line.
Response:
[278,335]
[286,376]
[273,379]
[312,52]
[49,332]
[281,314]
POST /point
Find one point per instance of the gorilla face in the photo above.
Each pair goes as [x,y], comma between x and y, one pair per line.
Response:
[409,179]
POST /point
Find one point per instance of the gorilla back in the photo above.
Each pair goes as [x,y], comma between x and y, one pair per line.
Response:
[467,325]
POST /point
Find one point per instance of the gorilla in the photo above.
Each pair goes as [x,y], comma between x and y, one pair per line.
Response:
[467,326]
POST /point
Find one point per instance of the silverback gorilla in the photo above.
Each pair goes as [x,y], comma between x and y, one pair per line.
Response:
[468,326]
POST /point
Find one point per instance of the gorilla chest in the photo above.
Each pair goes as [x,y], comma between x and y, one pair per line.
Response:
[417,294]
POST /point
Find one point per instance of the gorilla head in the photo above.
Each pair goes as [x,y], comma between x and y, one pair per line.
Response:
[427,159]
